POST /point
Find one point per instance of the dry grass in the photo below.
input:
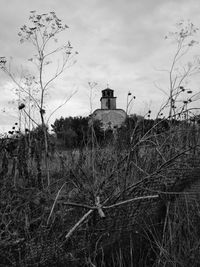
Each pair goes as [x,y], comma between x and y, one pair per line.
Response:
[161,231]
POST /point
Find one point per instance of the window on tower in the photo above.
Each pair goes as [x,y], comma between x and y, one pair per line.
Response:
[108,103]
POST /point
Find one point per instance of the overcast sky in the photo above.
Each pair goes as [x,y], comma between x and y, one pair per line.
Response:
[120,43]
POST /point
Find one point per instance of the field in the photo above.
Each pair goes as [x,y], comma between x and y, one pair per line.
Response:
[113,205]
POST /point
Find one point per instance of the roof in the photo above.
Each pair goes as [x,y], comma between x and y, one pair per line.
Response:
[100,109]
[107,89]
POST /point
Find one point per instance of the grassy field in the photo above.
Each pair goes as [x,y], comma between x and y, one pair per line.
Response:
[136,205]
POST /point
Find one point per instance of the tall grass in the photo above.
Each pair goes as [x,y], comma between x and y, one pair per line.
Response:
[124,227]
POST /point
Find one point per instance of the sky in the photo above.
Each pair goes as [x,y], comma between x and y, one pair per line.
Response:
[120,44]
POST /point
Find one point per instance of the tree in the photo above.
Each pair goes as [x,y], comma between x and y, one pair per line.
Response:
[73,131]
[77,132]
[42,33]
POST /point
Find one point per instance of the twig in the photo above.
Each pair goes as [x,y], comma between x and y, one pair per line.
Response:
[108,207]
[130,200]
[57,196]
[132,162]
[30,117]
[165,164]
[61,105]
[79,205]
[102,215]
[78,224]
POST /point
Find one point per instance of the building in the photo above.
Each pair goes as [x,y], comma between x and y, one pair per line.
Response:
[109,115]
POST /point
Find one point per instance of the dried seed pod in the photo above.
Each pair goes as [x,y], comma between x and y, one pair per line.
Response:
[21,106]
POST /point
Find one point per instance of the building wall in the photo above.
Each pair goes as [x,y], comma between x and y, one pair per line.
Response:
[110,118]
[108,103]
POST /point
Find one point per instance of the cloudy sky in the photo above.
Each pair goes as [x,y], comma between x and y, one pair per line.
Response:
[120,43]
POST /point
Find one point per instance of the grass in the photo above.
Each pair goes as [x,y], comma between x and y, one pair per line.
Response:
[35,219]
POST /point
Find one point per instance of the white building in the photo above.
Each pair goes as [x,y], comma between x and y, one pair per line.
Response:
[109,115]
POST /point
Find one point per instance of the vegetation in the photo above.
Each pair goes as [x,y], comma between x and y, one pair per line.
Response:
[42,33]
[66,224]
[74,132]
[123,198]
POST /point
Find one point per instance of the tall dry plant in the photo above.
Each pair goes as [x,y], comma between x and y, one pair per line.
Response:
[183,67]
[49,57]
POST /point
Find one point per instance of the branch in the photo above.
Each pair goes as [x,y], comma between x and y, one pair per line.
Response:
[129,200]
[53,51]
[78,205]
[78,224]
[31,118]
[21,88]
[159,88]
[54,77]
[99,208]
[54,203]
[60,106]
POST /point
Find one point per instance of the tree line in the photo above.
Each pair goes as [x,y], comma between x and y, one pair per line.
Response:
[76,132]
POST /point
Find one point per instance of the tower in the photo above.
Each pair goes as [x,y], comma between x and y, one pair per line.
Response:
[109,115]
[108,101]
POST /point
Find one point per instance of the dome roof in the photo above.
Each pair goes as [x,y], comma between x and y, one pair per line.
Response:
[107,89]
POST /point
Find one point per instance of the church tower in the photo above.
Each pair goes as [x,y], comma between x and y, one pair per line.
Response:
[109,115]
[108,101]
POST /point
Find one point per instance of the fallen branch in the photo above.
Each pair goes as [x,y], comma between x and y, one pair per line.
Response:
[78,224]
[100,208]
[129,200]
[78,205]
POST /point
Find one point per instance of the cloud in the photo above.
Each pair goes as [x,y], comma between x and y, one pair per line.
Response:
[120,42]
